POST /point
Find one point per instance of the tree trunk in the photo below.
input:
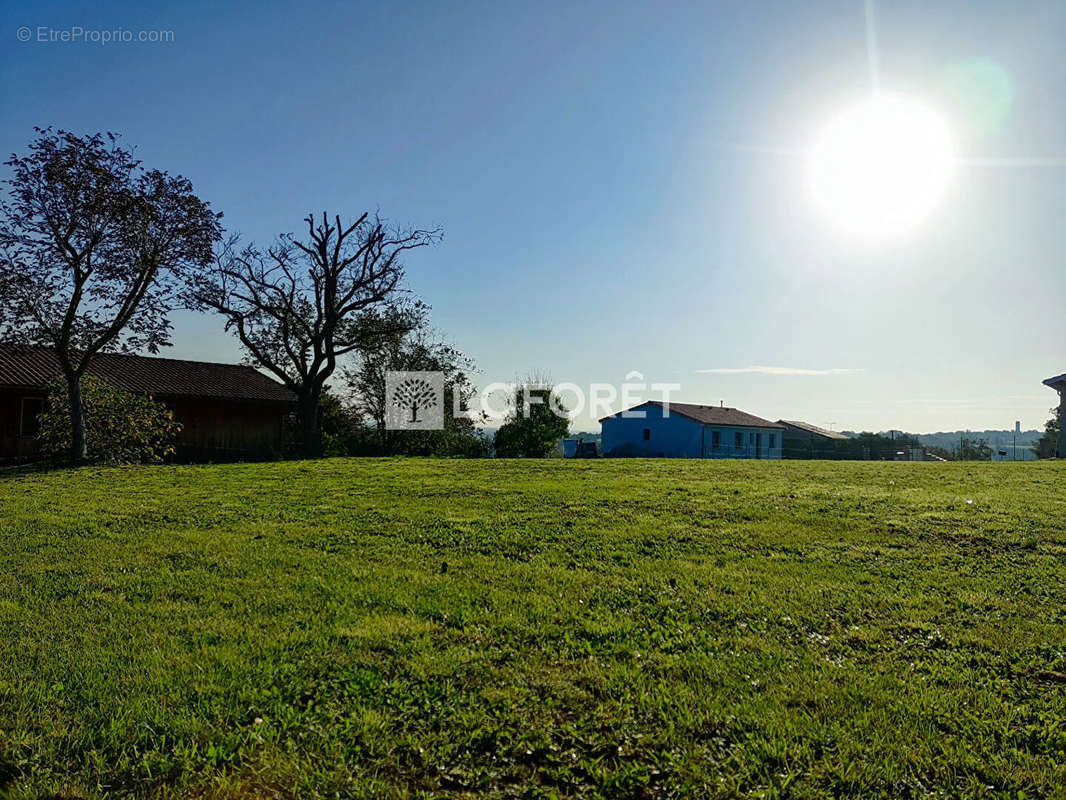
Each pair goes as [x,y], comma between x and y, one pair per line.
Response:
[78,449]
[310,435]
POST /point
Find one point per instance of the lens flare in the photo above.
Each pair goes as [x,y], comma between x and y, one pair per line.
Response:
[881,167]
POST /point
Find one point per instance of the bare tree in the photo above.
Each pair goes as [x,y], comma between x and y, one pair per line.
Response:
[300,306]
[92,252]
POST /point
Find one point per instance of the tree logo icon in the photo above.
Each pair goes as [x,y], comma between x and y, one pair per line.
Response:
[414,400]
[415,393]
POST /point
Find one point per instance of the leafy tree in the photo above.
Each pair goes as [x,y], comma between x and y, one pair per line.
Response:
[418,350]
[120,427]
[974,449]
[536,423]
[300,306]
[92,251]
[343,433]
[1048,445]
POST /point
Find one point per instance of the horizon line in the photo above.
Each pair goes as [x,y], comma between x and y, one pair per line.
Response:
[763,370]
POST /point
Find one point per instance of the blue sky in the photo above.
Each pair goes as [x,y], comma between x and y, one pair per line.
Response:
[599,171]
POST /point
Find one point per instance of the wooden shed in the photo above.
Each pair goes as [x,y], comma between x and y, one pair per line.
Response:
[227,411]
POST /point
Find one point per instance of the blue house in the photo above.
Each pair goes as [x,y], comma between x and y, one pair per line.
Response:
[682,430]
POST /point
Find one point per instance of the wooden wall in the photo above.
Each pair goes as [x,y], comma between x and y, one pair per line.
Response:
[12,446]
[212,430]
[219,430]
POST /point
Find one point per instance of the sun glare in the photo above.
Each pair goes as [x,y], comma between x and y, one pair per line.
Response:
[881,167]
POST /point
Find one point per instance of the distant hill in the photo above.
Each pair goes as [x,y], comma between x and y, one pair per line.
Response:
[950,439]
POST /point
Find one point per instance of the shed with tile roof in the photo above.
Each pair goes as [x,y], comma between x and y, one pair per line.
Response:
[227,411]
[803,440]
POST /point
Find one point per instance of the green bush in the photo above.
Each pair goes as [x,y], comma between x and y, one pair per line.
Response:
[534,426]
[120,427]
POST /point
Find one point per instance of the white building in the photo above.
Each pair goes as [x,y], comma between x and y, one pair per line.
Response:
[682,430]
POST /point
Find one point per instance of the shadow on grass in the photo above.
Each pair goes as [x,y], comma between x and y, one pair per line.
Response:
[41,467]
[9,773]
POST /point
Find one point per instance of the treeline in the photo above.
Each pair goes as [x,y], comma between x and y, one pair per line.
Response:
[893,446]
[979,446]
[354,416]
[864,446]
[354,422]
[968,448]
[950,440]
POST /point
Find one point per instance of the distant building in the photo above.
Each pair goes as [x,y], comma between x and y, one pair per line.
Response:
[1010,452]
[803,440]
[580,448]
[683,430]
[227,411]
[1058,383]
[910,453]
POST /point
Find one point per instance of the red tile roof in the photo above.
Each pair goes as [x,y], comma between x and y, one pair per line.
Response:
[711,415]
[35,367]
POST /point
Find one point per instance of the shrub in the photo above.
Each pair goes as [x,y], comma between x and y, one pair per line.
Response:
[534,428]
[120,427]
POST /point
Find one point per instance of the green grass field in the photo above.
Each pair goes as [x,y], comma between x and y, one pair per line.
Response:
[646,629]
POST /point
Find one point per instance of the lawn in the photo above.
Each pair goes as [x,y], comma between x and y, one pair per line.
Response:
[645,629]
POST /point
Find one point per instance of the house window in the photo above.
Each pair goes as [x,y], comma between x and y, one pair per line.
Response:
[716,439]
[647,434]
[738,441]
[29,424]
[773,440]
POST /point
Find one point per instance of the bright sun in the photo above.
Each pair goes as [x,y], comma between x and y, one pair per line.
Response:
[881,167]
